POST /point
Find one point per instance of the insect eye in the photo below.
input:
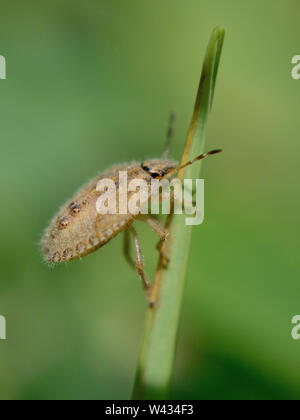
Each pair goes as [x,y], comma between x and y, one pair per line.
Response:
[155,175]
[151,172]
[146,168]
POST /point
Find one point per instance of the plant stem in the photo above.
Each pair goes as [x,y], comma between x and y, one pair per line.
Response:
[156,361]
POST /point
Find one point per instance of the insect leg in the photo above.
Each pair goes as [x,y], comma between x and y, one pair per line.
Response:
[126,249]
[139,261]
[156,226]
[170,134]
[160,230]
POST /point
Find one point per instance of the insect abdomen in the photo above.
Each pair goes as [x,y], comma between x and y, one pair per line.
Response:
[79,232]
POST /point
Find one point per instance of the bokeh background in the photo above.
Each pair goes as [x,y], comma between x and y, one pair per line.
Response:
[90,84]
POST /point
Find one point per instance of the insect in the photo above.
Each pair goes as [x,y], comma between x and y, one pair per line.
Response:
[78,229]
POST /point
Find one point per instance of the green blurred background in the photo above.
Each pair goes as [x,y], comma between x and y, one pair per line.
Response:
[90,84]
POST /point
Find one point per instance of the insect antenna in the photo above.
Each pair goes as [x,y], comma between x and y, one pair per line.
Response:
[170,134]
[204,155]
[190,162]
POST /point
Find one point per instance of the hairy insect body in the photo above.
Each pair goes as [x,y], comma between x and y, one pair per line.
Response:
[78,229]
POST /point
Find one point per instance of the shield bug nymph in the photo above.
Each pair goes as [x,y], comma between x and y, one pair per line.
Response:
[78,229]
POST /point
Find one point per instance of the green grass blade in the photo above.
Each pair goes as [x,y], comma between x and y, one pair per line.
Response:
[155,366]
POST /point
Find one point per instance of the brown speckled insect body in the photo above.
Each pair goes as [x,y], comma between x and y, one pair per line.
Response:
[78,229]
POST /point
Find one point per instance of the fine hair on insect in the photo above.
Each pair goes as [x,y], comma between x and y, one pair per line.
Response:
[78,229]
